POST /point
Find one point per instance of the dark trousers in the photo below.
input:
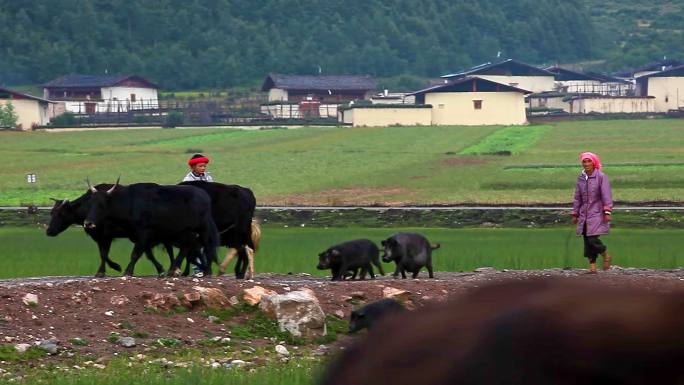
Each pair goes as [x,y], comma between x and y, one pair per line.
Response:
[592,246]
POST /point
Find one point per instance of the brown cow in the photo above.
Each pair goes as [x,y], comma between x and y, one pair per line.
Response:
[530,332]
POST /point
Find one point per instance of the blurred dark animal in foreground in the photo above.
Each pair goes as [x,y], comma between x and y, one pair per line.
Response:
[530,332]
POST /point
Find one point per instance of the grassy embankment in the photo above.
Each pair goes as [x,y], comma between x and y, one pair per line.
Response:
[342,165]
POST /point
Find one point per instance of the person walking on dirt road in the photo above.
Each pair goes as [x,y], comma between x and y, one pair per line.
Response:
[592,208]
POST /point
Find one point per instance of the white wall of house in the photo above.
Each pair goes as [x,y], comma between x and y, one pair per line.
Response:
[458,108]
[121,96]
[277,94]
[384,117]
[30,112]
[612,105]
[529,83]
[668,92]
[118,99]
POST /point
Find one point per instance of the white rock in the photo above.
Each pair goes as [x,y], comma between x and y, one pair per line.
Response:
[21,348]
[109,313]
[190,320]
[30,299]
[280,349]
[297,312]
[237,362]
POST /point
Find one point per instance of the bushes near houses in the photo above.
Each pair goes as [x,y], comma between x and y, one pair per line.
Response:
[8,116]
[174,119]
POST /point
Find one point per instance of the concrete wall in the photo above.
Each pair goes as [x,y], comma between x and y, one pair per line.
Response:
[529,83]
[30,112]
[458,108]
[580,86]
[549,102]
[668,92]
[383,117]
[612,105]
[288,111]
[276,95]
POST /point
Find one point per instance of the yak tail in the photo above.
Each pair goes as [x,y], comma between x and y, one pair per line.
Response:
[211,241]
[435,246]
[255,234]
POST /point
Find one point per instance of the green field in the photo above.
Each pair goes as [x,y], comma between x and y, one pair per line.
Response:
[28,252]
[344,165]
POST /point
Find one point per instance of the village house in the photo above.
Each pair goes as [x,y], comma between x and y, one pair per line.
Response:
[666,87]
[512,73]
[32,111]
[306,96]
[470,100]
[91,94]
[569,81]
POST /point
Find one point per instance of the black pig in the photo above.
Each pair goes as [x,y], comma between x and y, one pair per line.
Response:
[352,255]
[365,317]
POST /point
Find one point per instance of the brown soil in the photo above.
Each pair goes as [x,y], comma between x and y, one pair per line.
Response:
[465,161]
[363,196]
[79,306]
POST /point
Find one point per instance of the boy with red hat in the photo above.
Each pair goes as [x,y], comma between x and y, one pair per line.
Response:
[198,165]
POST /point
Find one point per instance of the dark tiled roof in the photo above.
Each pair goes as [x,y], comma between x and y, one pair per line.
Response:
[607,78]
[507,67]
[319,83]
[452,84]
[21,95]
[77,80]
[672,72]
[655,66]
[564,74]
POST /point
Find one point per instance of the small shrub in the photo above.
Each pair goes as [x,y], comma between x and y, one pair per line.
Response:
[78,341]
[126,324]
[226,314]
[65,120]
[174,119]
[114,337]
[141,334]
[261,326]
[334,326]
[168,342]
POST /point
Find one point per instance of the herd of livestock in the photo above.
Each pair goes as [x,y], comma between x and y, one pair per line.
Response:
[196,217]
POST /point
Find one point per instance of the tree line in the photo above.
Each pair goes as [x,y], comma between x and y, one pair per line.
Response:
[193,44]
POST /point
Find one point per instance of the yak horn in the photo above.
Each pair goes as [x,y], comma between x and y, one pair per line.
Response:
[111,190]
[90,187]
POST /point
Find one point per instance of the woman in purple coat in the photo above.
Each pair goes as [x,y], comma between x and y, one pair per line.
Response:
[591,209]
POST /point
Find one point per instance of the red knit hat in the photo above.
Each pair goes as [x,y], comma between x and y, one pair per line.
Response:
[197,158]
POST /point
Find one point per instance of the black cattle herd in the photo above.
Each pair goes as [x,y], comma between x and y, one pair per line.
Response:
[197,217]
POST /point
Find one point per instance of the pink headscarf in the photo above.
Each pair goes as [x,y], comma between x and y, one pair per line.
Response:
[593,157]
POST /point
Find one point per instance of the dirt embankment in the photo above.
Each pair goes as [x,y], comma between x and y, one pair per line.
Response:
[77,309]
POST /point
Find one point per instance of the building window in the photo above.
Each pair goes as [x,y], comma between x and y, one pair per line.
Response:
[477,104]
[133,97]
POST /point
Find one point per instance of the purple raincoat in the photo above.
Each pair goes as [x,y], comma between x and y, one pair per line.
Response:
[593,198]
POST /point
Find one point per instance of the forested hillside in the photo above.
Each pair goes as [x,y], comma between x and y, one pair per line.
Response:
[220,43]
[633,32]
